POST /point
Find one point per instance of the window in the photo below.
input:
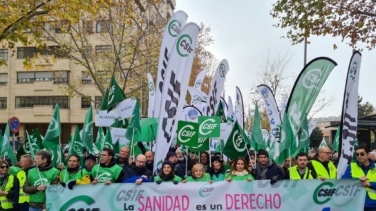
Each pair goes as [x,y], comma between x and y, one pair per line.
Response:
[3,102]
[102,48]
[85,102]
[88,26]
[98,102]
[86,51]
[104,76]
[27,52]
[103,26]
[59,77]
[29,102]
[86,78]
[3,78]
[4,54]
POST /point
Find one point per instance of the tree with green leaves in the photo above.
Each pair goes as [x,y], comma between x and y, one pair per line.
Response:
[316,137]
[364,109]
[349,20]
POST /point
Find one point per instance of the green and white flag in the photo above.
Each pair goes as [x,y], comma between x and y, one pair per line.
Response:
[5,142]
[236,145]
[335,146]
[57,155]
[76,146]
[257,139]
[304,139]
[101,137]
[187,133]
[202,145]
[209,126]
[33,143]
[51,139]
[115,94]
[133,132]
[306,89]
[287,147]
[87,133]
[108,141]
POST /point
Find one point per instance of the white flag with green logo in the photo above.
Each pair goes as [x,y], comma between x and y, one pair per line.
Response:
[172,30]
[151,103]
[175,89]
[187,133]
[209,126]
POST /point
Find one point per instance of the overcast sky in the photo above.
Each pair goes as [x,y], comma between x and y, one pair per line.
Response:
[244,34]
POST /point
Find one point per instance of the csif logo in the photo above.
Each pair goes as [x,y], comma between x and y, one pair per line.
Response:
[205,190]
[327,191]
[222,70]
[102,178]
[186,133]
[82,198]
[151,89]
[41,181]
[174,28]
[238,142]
[207,127]
[198,84]
[312,78]
[353,70]
[184,45]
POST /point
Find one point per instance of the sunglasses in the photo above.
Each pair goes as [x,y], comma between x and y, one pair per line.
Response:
[360,154]
[4,167]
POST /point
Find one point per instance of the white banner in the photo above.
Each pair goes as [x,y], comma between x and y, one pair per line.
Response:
[197,96]
[174,25]
[125,107]
[175,89]
[104,118]
[151,103]
[273,115]
[216,87]
[285,195]
[349,114]
[239,108]
[119,134]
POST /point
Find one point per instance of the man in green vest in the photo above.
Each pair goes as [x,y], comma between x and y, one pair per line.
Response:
[364,169]
[72,172]
[38,178]
[300,170]
[107,171]
[322,166]
[26,163]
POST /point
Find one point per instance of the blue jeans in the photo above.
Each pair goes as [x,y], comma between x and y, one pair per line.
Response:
[35,209]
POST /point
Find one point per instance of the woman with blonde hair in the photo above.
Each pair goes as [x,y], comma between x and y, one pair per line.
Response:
[239,171]
[198,174]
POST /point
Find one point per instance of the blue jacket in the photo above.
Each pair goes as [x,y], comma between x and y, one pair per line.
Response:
[347,175]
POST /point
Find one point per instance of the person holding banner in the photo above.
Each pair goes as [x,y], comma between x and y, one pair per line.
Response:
[300,170]
[364,169]
[239,171]
[217,171]
[322,166]
[107,171]
[137,172]
[70,175]
[198,174]
[26,163]
[38,178]
[266,169]
[167,174]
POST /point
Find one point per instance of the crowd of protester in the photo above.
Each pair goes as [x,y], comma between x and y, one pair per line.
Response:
[24,184]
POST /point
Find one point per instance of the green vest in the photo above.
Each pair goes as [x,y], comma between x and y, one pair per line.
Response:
[13,170]
[85,172]
[6,186]
[294,173]
[36,177]
[205,178]
[322,172]
[65,176]
[238,177]
[104,174]
[24,197]
[357,172]
[176,178]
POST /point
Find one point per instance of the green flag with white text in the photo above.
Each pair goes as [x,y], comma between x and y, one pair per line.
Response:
[187,133]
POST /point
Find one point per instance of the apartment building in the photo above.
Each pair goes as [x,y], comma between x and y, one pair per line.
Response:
[30,94]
